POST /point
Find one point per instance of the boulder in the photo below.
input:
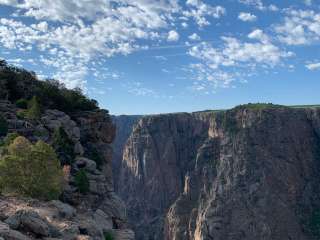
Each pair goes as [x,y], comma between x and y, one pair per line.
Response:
[65,210]
[86,163]
[104,222]
[87,226]
[30,221]
[8,234]
[78,149]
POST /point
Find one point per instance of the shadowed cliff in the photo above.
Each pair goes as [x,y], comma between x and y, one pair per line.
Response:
[247,173]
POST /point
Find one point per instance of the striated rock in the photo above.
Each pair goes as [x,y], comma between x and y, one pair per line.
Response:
[157,155]
[124,126]
[248,173]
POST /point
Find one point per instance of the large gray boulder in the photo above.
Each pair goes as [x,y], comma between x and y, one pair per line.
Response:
[8,234]
[64,210]
[30,221]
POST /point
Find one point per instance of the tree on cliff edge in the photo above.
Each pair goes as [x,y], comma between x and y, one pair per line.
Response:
[31,170]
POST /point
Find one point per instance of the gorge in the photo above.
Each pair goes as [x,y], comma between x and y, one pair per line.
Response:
[251,172]
[247,173]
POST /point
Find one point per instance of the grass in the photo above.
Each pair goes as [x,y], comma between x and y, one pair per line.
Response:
[305,106]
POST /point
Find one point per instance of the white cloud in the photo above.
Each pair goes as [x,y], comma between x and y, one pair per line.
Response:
[85,30]
[247,17]
[199,11]
[258,34]
[184,25]
[235,52]
[259,5]
[313,66]
[194,37]
[173,36]
[308,2]
[137,89]
[299,28]
[218,63]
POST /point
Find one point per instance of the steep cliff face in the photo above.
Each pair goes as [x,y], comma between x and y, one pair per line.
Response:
[124,125]
[247,173]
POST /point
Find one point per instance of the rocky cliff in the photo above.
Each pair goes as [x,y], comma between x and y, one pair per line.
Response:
[76,215]
[248,173]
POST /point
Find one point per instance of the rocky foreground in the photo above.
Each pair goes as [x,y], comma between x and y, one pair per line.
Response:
[76,215]
[250,173]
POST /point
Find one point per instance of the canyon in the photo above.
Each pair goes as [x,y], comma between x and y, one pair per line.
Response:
[251,172]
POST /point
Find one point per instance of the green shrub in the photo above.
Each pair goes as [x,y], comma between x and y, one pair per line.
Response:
[34,109]
[258,106]
[9,139]
[82,181]
[63,146]
[96,156]
[3,126]
[31,170]
[22,103]
[108,236]
[21,114]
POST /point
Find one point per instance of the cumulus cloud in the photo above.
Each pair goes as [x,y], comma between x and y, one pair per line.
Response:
[300,27]
[200,11]
[258,34]
[173,36]
[247,17]
[194,37]
[217,63]
[313,66]
[259,5]
[84,30]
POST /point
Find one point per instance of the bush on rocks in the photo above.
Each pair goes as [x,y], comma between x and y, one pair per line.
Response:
[22,103]
[82,181]
[31,170]
[63,146]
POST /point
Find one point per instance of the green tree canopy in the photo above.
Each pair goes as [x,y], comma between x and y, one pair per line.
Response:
[31,170]
[63,145]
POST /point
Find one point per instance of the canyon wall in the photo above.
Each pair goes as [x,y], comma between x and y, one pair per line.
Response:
[248,173]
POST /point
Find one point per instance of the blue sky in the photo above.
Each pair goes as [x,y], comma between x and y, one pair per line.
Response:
[157,56]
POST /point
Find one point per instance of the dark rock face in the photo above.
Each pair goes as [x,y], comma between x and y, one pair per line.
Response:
[240,174]
[124,126]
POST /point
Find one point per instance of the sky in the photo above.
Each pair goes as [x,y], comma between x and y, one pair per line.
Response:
[159,56]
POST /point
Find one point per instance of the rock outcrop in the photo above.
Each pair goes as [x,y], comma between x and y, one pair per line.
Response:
[247,173]
[78,216]
[27,219]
